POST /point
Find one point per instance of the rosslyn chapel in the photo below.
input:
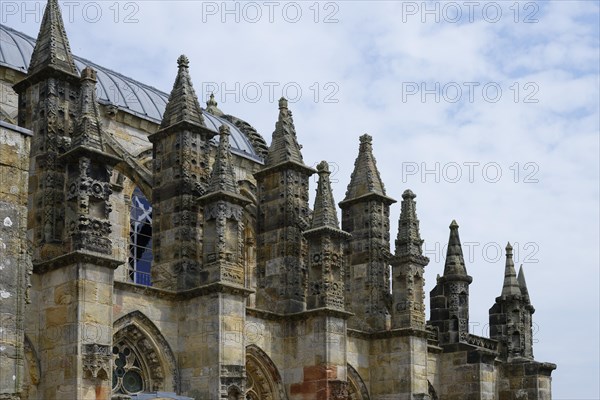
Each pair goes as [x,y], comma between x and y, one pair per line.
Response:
[158,248]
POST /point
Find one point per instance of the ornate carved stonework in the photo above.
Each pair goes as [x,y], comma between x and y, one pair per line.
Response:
[96,361]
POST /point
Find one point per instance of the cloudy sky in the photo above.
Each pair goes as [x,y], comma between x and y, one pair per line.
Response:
[488,111]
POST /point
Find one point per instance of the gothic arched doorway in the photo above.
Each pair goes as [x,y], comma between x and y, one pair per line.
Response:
[263,381]
[357,390]
[142,358]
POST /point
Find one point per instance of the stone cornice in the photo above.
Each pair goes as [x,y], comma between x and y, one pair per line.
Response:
[269,315]
[182,126]
[182,295]
[47,72]
[284,166]
[16,128]
[76,257]
[367,197]
[401,332]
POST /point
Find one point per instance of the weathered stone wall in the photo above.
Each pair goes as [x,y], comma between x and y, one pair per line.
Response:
[433,367]
[357,354]
[467,375]
[8,97]
[14,257]
[525,380]
[398,366]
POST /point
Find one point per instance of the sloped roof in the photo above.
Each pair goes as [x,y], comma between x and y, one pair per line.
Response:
[127,94]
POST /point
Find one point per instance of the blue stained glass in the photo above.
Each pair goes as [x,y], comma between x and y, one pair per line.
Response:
[140,245]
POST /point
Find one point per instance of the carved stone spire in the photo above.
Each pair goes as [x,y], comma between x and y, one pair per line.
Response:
[408,268]
[326,244]
[211,106]
[522,283]
[455,263]
[284,146]
[183,105]
[450,297]
[88,129]
[324,214]
[52,48]
[365,178]
[511,286]
[365,215]
[511,315]
[222,178]
[408,241]
[283,216]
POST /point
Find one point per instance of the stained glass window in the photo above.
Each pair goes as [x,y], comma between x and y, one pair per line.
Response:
[127,372]
[140,239]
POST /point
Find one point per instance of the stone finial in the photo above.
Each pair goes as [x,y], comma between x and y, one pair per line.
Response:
[408,194]
[523,283]
[211,100]
[224,130]
[323,166]
[510,286]
[283,103]
[183,105]
[88,127]
[222,178]
[408,241]
[325,213]
[89,73]
[455,263]
[284,146]
[183,61]
[52,48]
[366,138]
[365,178]
[211,106]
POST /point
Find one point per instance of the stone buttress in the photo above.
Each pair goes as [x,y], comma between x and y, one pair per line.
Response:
[322,350]
[399,363]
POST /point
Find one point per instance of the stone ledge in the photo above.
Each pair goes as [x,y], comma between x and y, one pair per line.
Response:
[402,332]
[182,295]
[79,256]
[15,128]
[269,315]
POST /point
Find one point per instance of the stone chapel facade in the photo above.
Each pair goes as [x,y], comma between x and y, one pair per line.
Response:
[151,248]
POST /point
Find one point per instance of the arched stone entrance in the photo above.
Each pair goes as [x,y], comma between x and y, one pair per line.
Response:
[357,390]
[142,358]
[263,381]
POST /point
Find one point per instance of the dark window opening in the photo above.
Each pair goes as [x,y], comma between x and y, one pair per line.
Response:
[140,239]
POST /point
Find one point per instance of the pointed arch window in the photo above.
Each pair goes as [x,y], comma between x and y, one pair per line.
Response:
[140,239]
[128,375]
